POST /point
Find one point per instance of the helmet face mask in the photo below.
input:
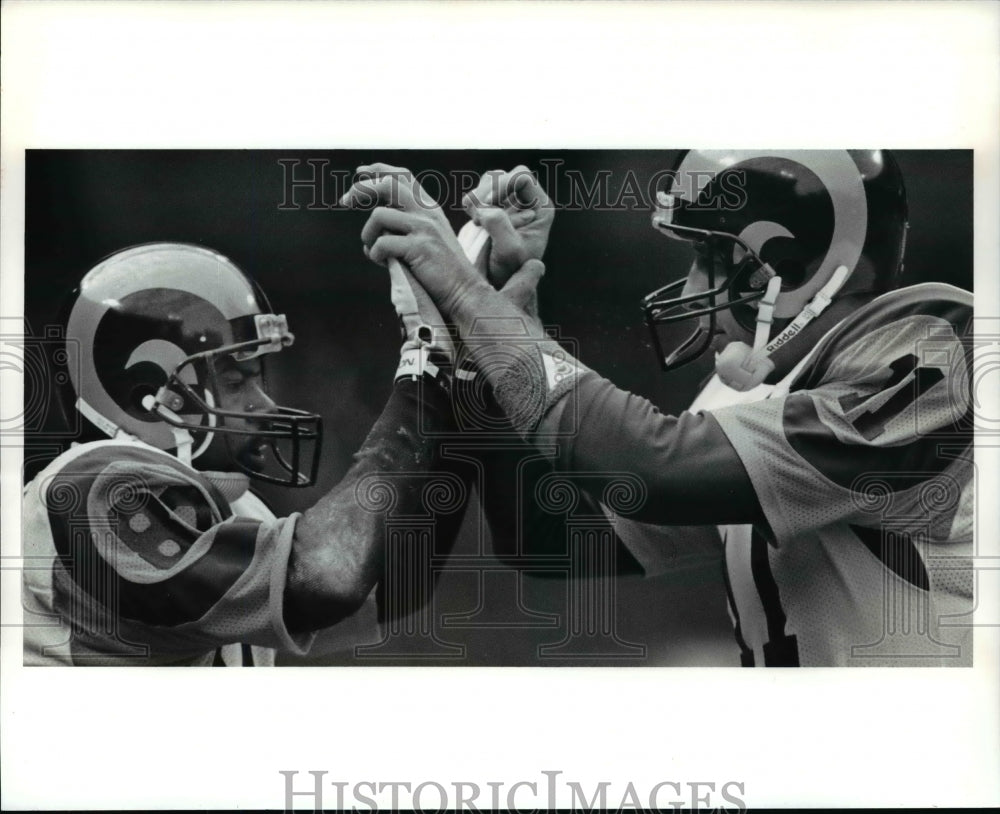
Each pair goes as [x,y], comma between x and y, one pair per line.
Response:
[149,330]
[279,446]
[754,215]
[731,285]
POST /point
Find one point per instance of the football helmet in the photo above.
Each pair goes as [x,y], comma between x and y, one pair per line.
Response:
[822,222]
[142,338]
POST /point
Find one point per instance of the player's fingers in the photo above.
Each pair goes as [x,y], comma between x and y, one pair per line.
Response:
[388,246]
[471,207]
[521,217]
[506,242]
[362,194]
[381,168]
[486,193]
[523,189]
[410,188]
[517,189]
[384,219]
[385,190]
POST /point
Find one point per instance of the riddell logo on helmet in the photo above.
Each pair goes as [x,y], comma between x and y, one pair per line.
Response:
[784,338]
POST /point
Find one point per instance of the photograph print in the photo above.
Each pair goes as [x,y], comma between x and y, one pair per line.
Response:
[619,408]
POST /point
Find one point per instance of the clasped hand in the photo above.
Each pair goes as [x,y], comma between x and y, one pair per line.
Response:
[407,225]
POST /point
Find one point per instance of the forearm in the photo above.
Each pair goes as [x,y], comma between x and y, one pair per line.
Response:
[484,316]
[690,471]
[510,468]
[527,371]
[339,548]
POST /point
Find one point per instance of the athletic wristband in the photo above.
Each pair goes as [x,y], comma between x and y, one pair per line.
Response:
[415,362]
[465,373]
[530,387]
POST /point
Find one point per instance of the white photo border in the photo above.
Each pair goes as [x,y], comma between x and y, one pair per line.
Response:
[400,75]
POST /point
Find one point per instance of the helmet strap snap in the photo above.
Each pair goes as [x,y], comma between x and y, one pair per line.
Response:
[741,367]
[212,422]
[182,438]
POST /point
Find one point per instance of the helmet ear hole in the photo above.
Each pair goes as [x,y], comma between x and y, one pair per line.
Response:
[136,407]
[135,383]
[793,272]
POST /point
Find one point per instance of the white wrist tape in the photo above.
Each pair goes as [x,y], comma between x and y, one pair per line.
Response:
[414,363]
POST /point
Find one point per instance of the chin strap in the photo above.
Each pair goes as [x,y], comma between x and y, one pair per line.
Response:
[212,422]
[741,367]
[182,438]
[765,313]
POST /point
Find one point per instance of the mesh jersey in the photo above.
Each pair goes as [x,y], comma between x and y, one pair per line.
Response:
[131,557]
[862,464]
[855,471]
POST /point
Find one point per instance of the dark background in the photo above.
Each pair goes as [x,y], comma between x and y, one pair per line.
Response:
[83,205]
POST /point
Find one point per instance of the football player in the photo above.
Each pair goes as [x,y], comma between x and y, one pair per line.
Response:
[833,444]
[148,547]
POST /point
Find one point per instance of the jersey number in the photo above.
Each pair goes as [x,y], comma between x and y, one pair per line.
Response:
[815,442]
[871,424]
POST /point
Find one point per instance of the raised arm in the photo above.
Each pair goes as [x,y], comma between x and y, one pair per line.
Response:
[338,551]
[685,462]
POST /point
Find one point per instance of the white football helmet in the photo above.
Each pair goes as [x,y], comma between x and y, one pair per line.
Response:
[142,338]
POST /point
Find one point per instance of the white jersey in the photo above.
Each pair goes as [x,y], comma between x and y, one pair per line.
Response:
[133,558]
[857,472]
[863,472]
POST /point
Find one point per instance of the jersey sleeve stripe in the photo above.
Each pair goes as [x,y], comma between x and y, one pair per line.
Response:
[826,453]
[79,539]
[952,305]
[184,597]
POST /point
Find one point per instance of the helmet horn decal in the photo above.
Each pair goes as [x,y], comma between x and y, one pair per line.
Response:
[840,216]
[165,355]
[838,173]
[757,234]
[144,336]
